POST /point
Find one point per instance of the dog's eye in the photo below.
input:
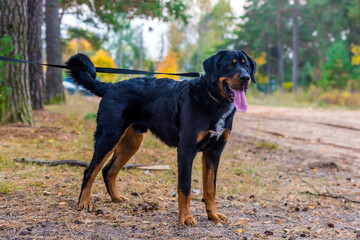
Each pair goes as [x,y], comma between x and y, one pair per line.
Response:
[230,66]
[246,66]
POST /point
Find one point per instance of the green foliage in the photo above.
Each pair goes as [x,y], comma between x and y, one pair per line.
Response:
[354,11]
[322,24]
[216,24]
[336,69]
[5,50]
[287,86]
[79,33]
[90,116]
[108,11]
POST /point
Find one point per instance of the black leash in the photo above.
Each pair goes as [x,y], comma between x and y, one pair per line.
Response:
[102,69]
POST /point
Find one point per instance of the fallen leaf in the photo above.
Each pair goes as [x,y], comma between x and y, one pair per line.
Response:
[239,231]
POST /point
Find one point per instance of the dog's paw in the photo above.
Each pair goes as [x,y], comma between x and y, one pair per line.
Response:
[86,205]
[188,221]
[217,217]
[119,198]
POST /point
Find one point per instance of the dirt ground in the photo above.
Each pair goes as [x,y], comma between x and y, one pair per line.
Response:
[276,164]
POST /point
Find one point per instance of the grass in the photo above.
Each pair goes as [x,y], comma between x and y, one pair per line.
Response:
[248,178]
[268,145]
[69,136]
[312,97]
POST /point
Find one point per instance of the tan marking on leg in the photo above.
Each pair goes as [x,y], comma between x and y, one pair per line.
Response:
[85,200]
[209,190]
[127,147]
[201,136]
[185,217]
[226,133]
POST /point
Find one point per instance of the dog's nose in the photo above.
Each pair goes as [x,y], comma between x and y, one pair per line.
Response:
[244,78]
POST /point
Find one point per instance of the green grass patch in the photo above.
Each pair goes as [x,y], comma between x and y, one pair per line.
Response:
[6,187]
[268,145]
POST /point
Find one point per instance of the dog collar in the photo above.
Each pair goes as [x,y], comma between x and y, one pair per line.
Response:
[214,98]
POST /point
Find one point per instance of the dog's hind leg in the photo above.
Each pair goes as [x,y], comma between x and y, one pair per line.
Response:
[127,147]
[106,140]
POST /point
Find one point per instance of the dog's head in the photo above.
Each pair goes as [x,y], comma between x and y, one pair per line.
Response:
[230,72]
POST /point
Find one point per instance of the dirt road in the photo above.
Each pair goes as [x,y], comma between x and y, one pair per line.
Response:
[335,133]
[274,171]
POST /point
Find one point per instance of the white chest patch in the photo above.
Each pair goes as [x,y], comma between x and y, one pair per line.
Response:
[219,126]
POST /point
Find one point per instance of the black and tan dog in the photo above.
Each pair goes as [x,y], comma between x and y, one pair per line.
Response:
[192,115]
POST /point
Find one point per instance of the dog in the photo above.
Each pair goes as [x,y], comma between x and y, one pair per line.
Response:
[193,115]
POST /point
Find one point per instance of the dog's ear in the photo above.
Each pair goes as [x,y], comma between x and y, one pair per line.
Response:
[210,65]
[252,66]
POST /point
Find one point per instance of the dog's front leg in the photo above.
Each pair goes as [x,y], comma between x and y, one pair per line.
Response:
[210,163]
[185,161]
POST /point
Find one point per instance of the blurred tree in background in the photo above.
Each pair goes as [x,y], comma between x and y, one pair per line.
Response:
[34,42]
[54,90]
[15,105]
[325,27]
[318,43]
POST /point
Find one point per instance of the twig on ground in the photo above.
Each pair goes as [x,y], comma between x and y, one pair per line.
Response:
[327,194]
[53,163]
[78,163]
[70,229]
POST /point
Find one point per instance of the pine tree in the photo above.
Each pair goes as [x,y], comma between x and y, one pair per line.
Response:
[15,103]
[34,42]
[54,88]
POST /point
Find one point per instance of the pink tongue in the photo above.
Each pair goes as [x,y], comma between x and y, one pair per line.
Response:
[240,100]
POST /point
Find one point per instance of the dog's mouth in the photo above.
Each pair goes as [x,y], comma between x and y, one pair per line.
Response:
[236,95]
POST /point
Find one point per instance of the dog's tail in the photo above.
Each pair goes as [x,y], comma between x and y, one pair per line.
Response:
[86,75]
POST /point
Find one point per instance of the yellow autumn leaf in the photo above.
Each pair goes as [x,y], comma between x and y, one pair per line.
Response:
[239,231]
[169,65]
[102,58]
[355,58]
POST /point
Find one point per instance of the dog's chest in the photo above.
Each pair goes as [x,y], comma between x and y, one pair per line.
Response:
[220,124]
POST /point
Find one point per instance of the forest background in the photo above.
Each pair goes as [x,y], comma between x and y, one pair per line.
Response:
[307,52]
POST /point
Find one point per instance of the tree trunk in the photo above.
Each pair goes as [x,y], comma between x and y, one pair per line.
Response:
[268,60]
[295,47]
[54,88]
[280,50]
[34,42]
[15,103]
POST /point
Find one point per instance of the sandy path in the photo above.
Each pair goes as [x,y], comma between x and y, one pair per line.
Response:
[332,132]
